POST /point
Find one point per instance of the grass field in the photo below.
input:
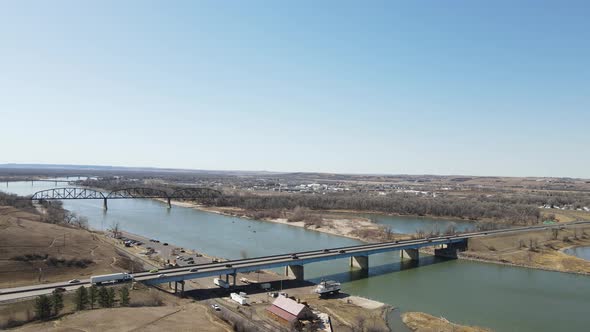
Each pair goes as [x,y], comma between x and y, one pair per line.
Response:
[51,248]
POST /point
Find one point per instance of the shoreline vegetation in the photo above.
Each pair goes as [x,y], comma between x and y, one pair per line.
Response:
[500,208]
[330,222]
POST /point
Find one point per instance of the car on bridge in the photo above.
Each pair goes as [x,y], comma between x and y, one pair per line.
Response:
[294,256]
[73,281]
[154,271]
[194,269]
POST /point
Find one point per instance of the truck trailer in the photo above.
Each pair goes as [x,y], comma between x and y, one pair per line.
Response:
[114,277]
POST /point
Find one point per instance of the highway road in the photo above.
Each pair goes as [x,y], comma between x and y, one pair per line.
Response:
[265,262]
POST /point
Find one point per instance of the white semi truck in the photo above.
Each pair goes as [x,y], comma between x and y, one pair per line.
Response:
[114,277]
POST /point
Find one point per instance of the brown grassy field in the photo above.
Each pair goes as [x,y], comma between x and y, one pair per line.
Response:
[22,233]
[174,314]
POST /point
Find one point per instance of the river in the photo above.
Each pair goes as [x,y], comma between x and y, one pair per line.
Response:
[581,252]
[499,297]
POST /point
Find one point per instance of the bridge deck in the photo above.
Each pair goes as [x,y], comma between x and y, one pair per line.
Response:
[281,260]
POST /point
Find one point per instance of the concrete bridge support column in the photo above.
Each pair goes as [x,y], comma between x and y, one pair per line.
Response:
[234,279]
[450,250]
[175,287]
[104,204]
[227,278]
[411,254]
[361,262]
[169,203]
[295,271]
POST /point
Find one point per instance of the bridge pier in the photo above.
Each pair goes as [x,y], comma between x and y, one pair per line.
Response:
[361,262]
[295,271]
[104,204]
[412,254]
[181,287]
[169,203]
[450,250]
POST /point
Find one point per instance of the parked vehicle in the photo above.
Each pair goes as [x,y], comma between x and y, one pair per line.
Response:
[240,297]
[327,287]
[216,307]
[221,283]
[114,277]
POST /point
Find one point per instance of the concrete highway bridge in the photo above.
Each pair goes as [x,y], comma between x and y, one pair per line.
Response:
[125,193]
[358,255]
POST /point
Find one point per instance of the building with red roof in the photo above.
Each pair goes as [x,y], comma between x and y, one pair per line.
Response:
[288,311]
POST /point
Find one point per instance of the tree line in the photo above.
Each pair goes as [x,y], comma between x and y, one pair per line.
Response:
[511,207]
[48,306]
[403,204]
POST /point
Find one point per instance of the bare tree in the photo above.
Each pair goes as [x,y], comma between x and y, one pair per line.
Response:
[115,230]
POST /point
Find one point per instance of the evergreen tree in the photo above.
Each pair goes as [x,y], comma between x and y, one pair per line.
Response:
[111,297]
[124,296]
[93,295]
[103,297]
[57,301]
[43,307]
[81,298]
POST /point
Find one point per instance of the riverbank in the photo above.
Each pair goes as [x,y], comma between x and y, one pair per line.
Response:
[421,322]
[543,250]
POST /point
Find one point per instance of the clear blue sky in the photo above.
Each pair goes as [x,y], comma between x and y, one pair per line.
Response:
[438,87]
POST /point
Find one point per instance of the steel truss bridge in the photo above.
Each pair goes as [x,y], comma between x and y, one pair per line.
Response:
[126,193]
